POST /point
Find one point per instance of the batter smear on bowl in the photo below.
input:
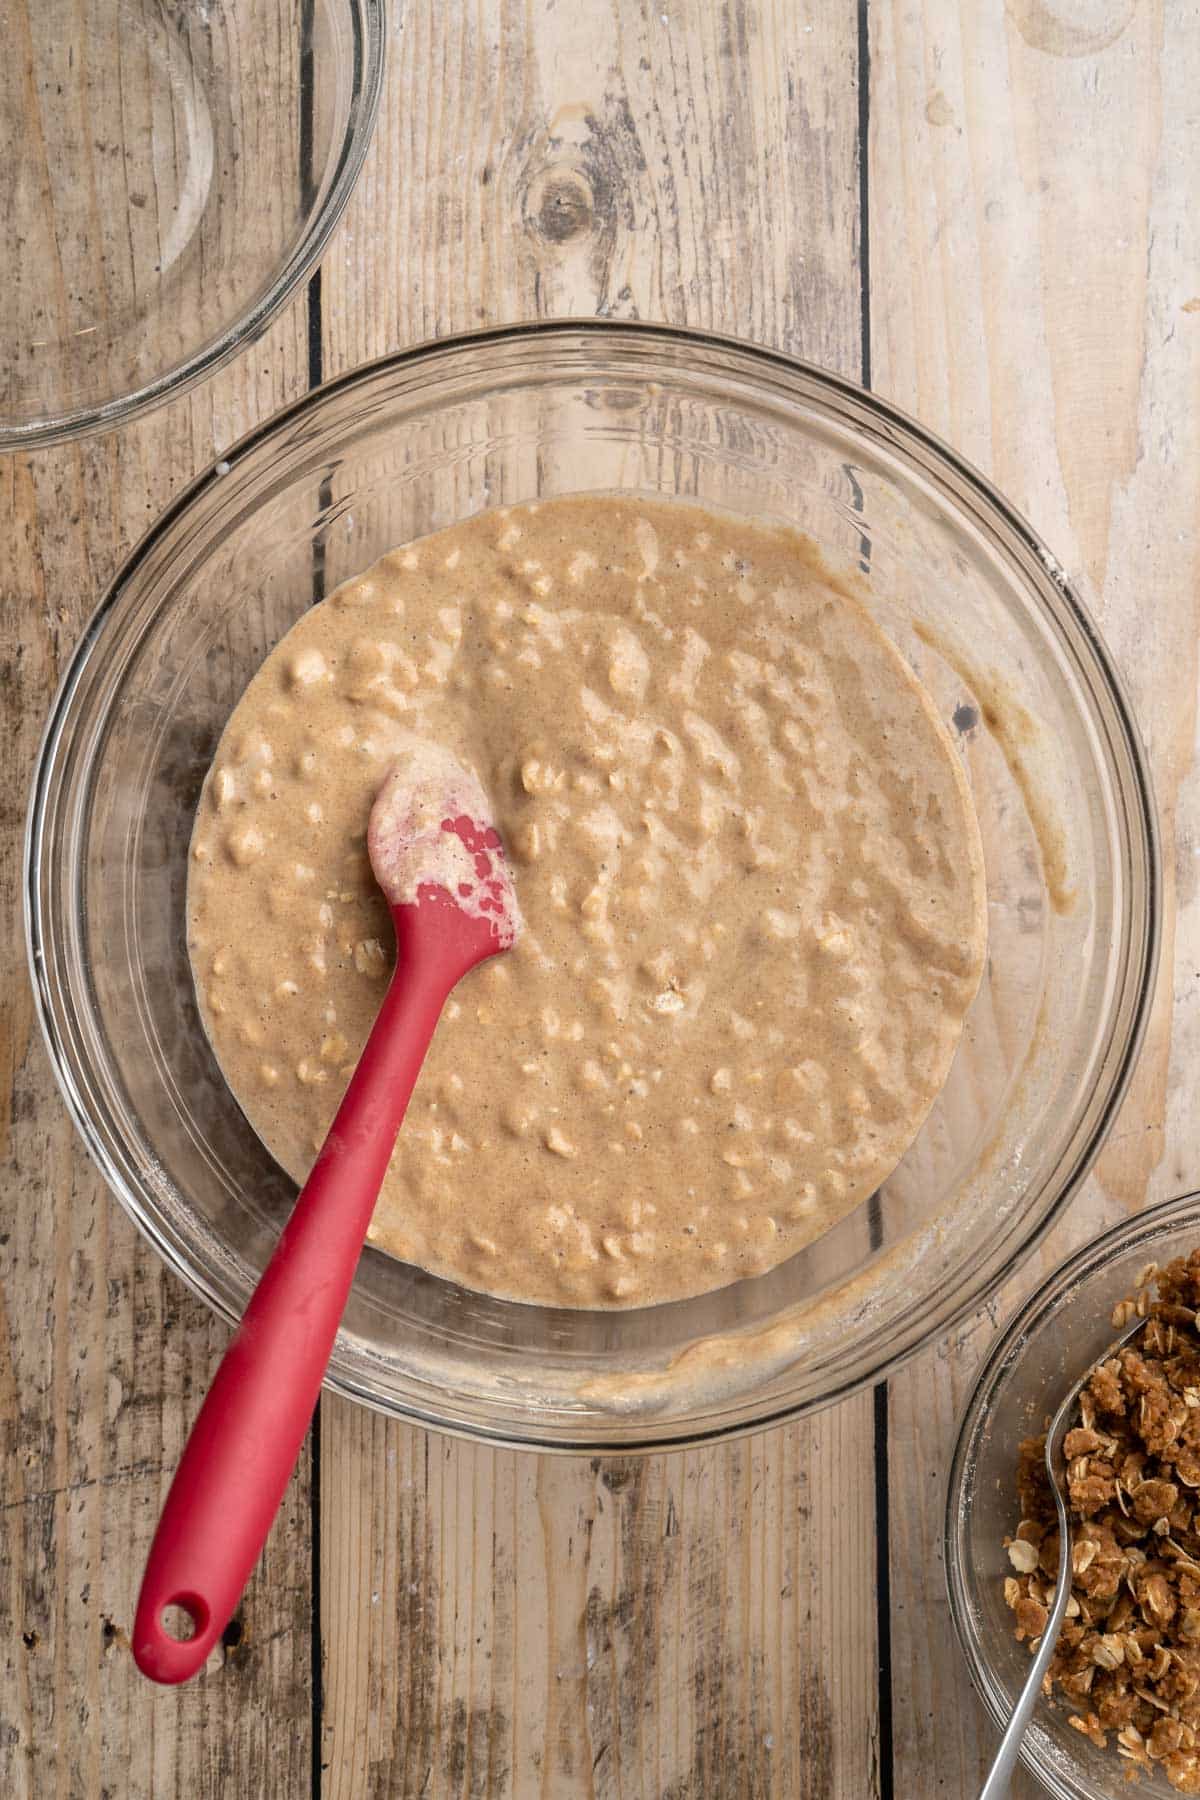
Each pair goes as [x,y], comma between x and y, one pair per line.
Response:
[747,862]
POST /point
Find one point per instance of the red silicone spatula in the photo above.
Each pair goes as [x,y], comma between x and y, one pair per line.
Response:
[440,864]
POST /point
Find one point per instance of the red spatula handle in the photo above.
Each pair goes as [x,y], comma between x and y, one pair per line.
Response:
[244,1444]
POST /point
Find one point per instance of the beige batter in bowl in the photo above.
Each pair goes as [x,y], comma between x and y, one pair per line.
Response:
[747,860]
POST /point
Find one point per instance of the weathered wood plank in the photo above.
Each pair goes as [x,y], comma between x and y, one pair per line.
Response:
[682,1626]
[1032,257]
[662,1626]
[104,1356]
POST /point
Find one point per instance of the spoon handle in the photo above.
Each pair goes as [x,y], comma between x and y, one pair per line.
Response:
[244,1443]
[1008,1754]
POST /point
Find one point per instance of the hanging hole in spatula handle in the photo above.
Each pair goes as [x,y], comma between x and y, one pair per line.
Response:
[171,1637]
[183,1619]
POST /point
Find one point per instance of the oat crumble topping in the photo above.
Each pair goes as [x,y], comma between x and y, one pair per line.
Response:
[1128,1658]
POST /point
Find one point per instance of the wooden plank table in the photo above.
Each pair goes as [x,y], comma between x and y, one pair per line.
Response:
[987,212]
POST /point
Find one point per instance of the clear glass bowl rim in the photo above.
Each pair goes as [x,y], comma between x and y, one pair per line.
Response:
[369,20]
[1004,1354]
[952,478]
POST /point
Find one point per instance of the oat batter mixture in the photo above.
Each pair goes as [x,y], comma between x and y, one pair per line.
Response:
[747,861]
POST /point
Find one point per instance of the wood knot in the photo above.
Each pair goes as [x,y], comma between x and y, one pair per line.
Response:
[561,205]
[616,1473]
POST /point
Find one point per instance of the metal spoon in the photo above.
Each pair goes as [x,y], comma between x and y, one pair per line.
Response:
[1008,1755]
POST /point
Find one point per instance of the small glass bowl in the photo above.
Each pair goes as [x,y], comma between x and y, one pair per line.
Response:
[172,171]
[413,443]
[1059,1332]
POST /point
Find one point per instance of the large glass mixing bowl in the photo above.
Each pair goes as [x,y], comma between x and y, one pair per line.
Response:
[973,600]
[171,170]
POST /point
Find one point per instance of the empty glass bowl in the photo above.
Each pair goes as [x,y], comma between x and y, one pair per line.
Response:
[1059,1332]
[172,169]
[434,435]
